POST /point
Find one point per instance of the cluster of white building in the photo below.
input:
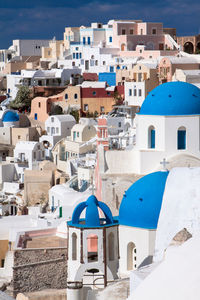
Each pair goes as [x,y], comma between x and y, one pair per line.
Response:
[127,183]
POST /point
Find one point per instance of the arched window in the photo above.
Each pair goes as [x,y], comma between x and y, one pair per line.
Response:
[181,138]
[123,47]
[74,246]
[66,96]
[111,246]
[131,256]
[151,137]
[75,96]
[92,247]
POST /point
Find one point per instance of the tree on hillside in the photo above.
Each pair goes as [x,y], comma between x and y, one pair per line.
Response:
[56,110]
[118,98]
[23,99]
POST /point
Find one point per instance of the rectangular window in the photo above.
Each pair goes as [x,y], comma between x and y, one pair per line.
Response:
[120,124]
[123,31]
[74,55]
[77,56]
[110,39]
[181,139]
[153,136]
[86,107]
[77,133]
[154,31]
[74,135]
[2,263]
[96,62]
[88,40]
[140,92]
[52,119]
[39,104]
[102,109]
[135,92]
[131,31]
[80,55]
[48,129]
[57,129]
[83,40]
[19,137]
[130,92]
[111,69]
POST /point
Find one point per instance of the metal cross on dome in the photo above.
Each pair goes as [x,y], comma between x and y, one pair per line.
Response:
[164,164]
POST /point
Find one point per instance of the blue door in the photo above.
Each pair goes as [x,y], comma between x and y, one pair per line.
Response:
[83,40]
[153,136]
[35,117]
[181,139]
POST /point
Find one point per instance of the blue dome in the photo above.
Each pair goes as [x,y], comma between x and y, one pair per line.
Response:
[10,116]
[92,218]
[172,99]
[141,204]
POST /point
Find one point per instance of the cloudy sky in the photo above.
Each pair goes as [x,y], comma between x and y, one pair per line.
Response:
[44,19]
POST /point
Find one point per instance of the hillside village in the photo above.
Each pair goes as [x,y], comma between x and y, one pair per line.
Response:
[100,164]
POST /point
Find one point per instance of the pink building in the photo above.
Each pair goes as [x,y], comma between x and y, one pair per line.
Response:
[127,35]
[168,66]
[40,108]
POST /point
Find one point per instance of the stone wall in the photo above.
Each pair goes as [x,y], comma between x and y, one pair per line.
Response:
[39,269]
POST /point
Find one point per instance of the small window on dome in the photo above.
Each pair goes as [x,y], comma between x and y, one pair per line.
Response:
[151,137]
[181,138]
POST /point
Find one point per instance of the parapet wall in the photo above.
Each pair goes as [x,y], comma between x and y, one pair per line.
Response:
[39,269]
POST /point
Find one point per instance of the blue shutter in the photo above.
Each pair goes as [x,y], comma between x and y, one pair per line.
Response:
[153,135]
[181,139]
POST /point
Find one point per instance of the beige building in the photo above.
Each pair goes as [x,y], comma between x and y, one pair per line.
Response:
[122,75]
[13,135]
[71,34]
[71,98]
[38,182]
[75,146]
[146,71]
[191,76]
[25,63]
[53,51]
